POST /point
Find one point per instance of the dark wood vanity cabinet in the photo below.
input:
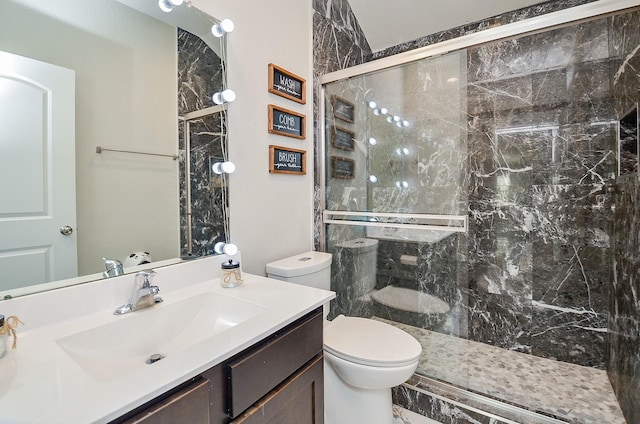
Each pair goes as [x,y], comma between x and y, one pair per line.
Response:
[278,380]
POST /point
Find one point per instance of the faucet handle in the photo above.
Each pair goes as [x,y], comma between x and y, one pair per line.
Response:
[143,278]
[113,268]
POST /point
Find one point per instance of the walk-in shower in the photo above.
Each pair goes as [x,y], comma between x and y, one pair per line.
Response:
[485,168]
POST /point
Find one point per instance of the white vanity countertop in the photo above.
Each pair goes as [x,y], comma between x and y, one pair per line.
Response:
[41,383]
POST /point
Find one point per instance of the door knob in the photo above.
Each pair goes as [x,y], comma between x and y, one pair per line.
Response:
[66,230]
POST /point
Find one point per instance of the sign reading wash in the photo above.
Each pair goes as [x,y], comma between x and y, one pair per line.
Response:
[283,160]
[286,84]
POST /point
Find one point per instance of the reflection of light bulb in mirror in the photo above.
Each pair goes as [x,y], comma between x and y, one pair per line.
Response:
[222,27]
[226,248]
[224,167]
[389,119]
[376,112]
[169,5]
[226,96]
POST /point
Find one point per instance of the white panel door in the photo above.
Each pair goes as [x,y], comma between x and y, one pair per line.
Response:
[37,172]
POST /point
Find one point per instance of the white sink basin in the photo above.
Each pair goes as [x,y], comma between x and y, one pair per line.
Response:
[110,350]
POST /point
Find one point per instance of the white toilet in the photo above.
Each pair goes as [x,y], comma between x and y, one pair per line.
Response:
[363,358]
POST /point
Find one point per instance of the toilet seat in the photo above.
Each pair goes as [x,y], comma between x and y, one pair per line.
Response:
[368,342]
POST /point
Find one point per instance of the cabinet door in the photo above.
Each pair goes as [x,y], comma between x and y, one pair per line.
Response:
[299,400]
[190,405]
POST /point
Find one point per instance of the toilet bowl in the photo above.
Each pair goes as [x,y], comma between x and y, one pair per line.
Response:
[363,358]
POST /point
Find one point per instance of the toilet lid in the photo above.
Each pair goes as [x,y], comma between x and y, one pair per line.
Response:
[368,342]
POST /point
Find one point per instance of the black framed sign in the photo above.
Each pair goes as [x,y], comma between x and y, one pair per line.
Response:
[287,84]
[342,167]
[286,122]
[283,160]
[342,139]
[343,109]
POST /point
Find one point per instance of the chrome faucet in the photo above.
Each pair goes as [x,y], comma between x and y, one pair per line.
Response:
[113,268]
[144,294]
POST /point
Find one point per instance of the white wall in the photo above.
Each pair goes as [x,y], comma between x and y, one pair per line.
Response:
[271,214]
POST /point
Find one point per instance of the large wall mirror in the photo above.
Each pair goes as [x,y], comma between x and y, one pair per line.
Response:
[110,80]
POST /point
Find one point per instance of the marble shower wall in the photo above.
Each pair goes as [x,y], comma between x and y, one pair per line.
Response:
[338,43]
[541,167]
[200,74]
[624,319]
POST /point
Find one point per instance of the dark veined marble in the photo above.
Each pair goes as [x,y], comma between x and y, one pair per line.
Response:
[338,43]
[624,320]
[200,74]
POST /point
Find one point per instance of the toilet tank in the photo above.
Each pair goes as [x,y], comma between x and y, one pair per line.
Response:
[311,269]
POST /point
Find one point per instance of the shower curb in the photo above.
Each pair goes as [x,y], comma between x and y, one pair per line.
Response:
[449,404]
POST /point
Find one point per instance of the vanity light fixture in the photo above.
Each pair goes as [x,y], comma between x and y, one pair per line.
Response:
[222,27]
[227,167]
[226,96]
[169,5]
[226,248]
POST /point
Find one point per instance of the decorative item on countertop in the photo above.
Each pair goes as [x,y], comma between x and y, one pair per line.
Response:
[231,274]
[8,328]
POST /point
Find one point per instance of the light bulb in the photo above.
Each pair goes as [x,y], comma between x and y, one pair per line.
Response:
[376,112]
[224,167]
[384,110]
[405,123]
[373,104]
[226,248]
[405,184]
[389,119]
[169,5]
[373,141]
[222,27]
[405,150]
[399,151]
[226,96]
[373,178]
[399,124]
[396,118]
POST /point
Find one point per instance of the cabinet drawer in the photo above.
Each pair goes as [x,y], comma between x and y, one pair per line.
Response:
[189,405]
[299,400]
[253,375]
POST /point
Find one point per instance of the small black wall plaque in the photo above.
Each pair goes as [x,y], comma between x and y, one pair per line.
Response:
[287,84]
[342,167]
[342,139]
[286,122]
[283,160]
[343,109]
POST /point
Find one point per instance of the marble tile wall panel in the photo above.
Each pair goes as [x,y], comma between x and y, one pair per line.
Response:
[200,73]
[542,159]
[624,319]
[338,43]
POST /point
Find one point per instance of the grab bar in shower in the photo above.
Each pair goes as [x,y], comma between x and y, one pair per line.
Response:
[456,223]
